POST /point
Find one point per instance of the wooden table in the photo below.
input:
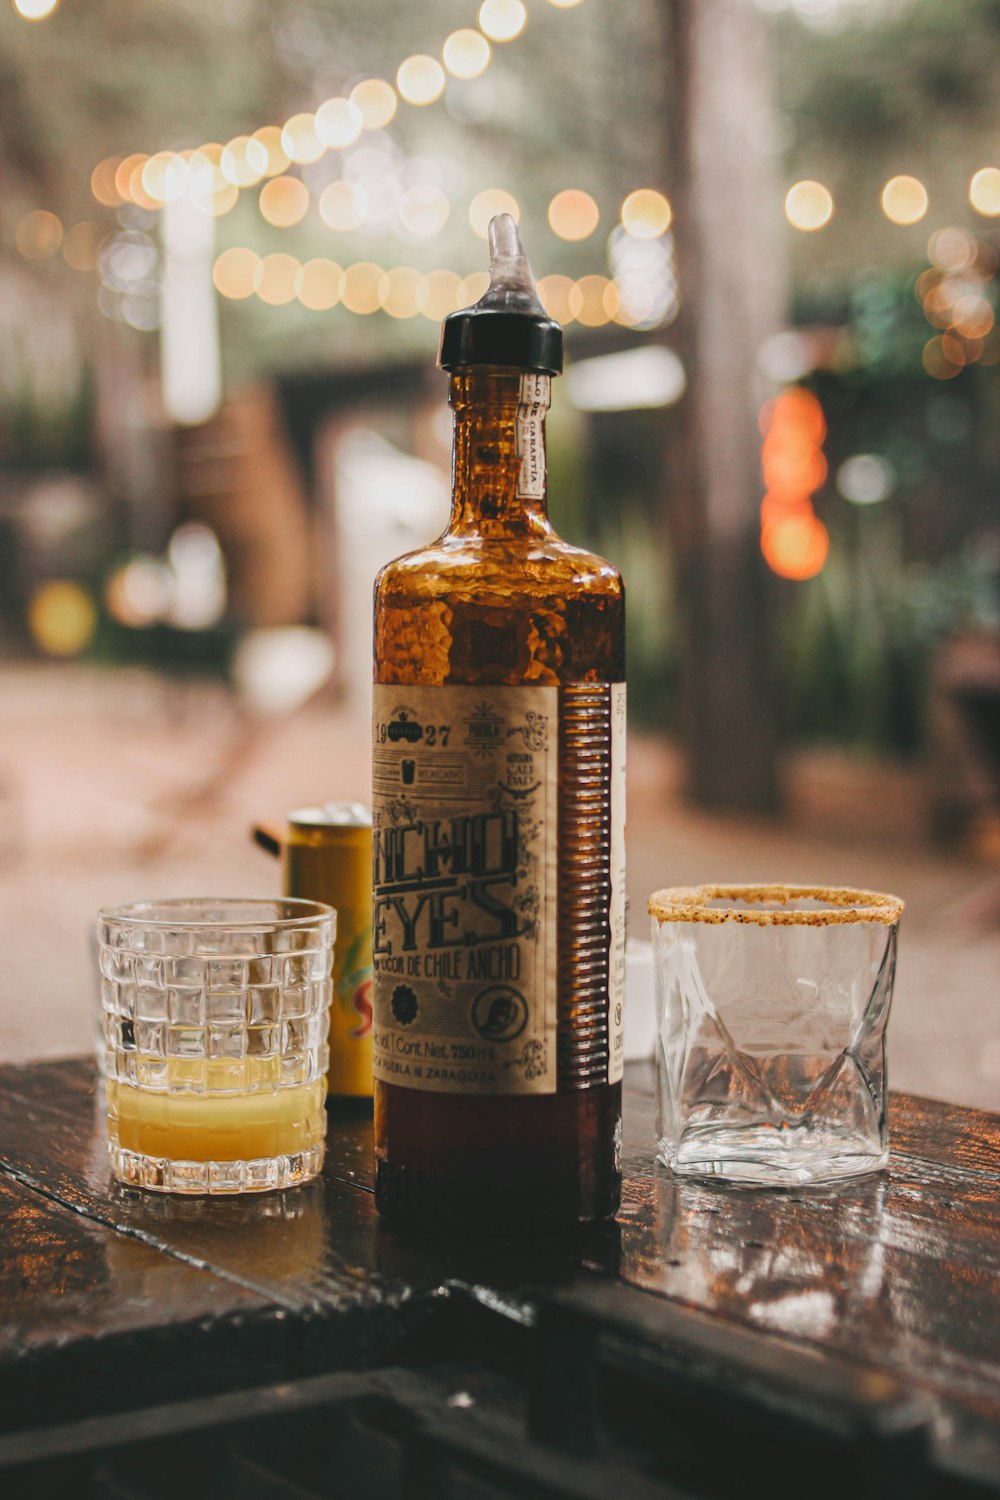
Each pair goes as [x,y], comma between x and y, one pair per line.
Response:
[661,1350]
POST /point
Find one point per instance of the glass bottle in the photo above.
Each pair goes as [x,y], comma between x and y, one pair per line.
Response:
[499,820]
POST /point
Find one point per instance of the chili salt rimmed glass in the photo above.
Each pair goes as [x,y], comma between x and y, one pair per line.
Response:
[216,1015]
[772,1003]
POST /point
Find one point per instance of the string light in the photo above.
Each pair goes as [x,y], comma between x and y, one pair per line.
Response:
[244,161]
[234,272]
[338,123]
[594,301]
[424,210]
[466,54]
[502,20]
[904,200]
[646,214]
[472,288]
[299,139]
[284,201]
[437,294]
[319,284]
[398,292]
[420,79]
[376,101]
[808,205]
[276,278]
[573,215]
[554,292]
[984,191]
[361,286]
[343,205]
[793,539]
[487,204]
[38,235]
[278,159]
[35,10]
[80,245]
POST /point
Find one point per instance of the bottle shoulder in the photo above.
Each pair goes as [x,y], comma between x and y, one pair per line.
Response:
[523,565]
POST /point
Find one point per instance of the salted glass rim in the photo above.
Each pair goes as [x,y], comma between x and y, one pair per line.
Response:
[168,913]
[691,903]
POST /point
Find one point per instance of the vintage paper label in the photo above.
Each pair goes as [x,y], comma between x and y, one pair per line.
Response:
[616,957]
[465,844]
[533,402]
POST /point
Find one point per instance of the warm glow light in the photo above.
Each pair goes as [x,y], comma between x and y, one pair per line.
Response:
[339,123]
[360,290]
[62,618]
[276,279]
[80,245]
[808,205]
[502,20]
[593,301]
[904,200]
[35,10]
[420,79]
[234,272]
[319,283]
[466,53]
[376,100]
[284,201]
[487,204]
[951,249]
[244,161]
[424,211]
[972,316]
[278,159]
[564,4]
[124,173]
[165,176]
[102,181]
[646,214]
[343,205]
[398,292]
[984,191]
[554,292]
[437,294]
[217,203]
[38,235]
[300,141]
[573,214]
[205,171]
[796,546]
[472,288]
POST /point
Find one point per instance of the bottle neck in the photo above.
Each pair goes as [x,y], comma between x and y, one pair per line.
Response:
[498,460]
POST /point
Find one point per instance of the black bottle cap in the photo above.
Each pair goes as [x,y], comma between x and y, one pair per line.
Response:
[508,325]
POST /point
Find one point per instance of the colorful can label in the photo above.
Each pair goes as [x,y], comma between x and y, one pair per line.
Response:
[328,857]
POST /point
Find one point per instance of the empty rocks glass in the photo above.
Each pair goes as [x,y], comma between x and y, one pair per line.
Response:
[215,1016]
[772,1004]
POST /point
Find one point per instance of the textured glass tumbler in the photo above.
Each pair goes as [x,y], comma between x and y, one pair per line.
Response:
[772,1004]
[216,1015]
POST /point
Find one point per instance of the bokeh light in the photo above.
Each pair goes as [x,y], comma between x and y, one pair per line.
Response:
[808,205]
[376,101]
[936,361]
[244,161]
[38,235]
[284,201]
[437,294]
[299,139]
[472,288]
[972,316]
[218,202]
[984,191]
[502,20]
[276,278]
[866,479]
[278,159]
[487,204]
[339,122]
[102,182]
[904,200]
[80,245]
[398,291]
[424,210]
[62,617]
[126,170]
[420,79]
[165,177]
[234,272]
[319,284]
[951,249]
[343,205]
[646,214]
[466,53]
[796,546]
[573,214]
[139,594]
[594,301]
[554,292]
[564,4]
[360,290]
[35,10]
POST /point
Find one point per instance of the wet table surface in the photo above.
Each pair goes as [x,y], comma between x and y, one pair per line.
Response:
[113,1299]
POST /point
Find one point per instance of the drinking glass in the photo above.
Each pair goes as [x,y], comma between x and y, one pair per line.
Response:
[772,1004]
[216,1015]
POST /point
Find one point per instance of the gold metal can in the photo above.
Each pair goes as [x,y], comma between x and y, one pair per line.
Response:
[327,856]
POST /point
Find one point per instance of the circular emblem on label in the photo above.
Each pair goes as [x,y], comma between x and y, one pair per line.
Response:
[404,1005]
[499,1013]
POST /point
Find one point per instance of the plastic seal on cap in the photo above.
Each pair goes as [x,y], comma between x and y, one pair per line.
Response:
[508,326]
[332,815]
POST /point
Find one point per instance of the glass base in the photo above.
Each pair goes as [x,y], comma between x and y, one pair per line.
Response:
[266,1174]
[760,1155]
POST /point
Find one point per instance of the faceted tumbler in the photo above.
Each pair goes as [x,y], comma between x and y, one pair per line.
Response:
[215,1017]
[772,1004]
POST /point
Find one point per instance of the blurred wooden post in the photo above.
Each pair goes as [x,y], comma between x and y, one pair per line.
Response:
[727,228]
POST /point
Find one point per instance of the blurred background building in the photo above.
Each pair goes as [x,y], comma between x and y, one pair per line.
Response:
[228,233]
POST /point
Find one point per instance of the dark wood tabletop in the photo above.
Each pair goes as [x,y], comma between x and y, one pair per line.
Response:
[883,1291]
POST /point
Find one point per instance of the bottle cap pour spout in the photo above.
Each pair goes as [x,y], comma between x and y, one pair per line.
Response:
[508,326]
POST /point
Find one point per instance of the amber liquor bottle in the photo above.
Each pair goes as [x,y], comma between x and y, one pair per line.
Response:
[498,798]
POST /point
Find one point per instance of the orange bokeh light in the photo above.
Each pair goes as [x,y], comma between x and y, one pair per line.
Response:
[793,540]
[796,546]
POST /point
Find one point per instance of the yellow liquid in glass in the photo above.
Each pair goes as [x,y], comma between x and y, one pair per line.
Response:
[215,1127]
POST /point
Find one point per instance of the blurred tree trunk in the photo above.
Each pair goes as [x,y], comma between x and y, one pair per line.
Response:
[727,228]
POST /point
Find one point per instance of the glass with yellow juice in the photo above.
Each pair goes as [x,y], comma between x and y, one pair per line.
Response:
[215,1026]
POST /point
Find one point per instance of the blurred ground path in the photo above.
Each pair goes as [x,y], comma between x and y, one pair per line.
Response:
[108,793]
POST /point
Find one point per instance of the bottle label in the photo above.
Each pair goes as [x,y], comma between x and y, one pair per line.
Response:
[465,873]
[616,957]
[532,403]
